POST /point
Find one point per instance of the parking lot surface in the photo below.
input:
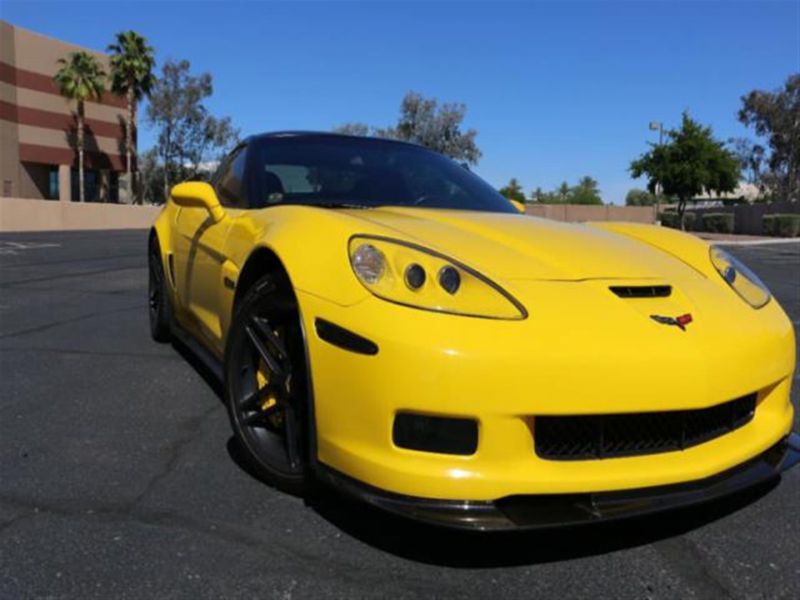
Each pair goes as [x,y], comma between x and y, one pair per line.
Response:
[119,479]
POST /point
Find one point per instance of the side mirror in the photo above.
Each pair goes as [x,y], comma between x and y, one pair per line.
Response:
[198,194]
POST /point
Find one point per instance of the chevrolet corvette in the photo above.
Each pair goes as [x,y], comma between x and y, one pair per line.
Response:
[384,322]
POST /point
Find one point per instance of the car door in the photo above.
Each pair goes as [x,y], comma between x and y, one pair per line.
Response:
[200,251]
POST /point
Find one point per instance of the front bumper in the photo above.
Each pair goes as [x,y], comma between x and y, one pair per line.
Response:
[549,510]
[566,359]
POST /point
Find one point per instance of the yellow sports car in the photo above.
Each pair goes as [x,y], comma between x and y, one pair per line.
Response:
[386,322]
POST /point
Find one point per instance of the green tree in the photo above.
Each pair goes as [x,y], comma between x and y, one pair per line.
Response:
[751,159]
[359,129]
[586,192]
[513,191]
[776,116]
[189,135]
[132,65]
[563,193]
[423,121]
[690,162]
[637,197]
[80,78]
[151,177]
[538,195]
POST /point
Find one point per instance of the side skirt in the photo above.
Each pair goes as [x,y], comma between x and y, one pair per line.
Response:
[208,359]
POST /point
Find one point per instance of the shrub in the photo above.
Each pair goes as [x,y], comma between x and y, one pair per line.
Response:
[718,222]
[781,225]
[670,219]
[788,225]
[768,224]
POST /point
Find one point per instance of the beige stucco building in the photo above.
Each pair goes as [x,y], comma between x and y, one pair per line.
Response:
[37,125]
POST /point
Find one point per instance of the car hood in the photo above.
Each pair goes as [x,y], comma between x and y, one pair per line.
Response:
[510,246]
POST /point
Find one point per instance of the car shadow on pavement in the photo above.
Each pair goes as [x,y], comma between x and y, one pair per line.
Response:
[202,369]
[465,549]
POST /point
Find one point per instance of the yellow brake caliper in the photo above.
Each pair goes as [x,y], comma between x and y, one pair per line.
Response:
[262,379]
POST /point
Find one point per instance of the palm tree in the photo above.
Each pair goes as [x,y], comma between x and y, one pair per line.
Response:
[513,191]
[588,183]
[80,78]
[132,65]
[563,191]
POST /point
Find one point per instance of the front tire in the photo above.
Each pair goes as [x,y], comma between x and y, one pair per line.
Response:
[265,384]
[160,309]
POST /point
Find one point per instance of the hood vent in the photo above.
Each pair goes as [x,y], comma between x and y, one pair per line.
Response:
[641,291]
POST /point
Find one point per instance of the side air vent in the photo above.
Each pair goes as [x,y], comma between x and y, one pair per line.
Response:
[343,338]
[641,291]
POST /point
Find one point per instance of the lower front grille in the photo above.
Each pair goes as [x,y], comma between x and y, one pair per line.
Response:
[605,436]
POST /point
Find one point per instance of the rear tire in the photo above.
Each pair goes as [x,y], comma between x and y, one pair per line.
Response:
[265,384]
[160,308]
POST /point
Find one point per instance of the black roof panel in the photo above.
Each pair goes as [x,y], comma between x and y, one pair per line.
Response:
[325,134]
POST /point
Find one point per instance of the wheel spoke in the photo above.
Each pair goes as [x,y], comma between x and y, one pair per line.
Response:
[264,370]
[260,418]
[266,332]
[272,364]
[256,399]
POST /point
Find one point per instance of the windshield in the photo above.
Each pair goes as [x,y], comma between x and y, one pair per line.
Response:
[329,170]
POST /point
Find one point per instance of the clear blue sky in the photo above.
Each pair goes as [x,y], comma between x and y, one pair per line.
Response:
[556,90]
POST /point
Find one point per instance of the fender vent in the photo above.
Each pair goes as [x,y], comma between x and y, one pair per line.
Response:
[641,291]
[343,338]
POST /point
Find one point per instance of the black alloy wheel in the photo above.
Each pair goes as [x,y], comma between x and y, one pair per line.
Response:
[265,383]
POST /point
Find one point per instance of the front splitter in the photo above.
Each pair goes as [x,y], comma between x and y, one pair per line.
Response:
[555,510]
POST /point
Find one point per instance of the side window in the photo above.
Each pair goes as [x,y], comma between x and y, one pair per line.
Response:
[229,182]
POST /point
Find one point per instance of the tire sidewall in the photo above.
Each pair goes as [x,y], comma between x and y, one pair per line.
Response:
[161,322]
[260,298]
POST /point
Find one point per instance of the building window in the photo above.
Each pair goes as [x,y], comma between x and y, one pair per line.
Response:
[113,190]
[52,183]
[90,187]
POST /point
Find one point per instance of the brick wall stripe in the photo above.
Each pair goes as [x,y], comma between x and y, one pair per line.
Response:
[44,83]
[64,156]
[64,122]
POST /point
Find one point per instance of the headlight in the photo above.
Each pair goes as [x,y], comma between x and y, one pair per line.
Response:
[369,263]
[741,279]
[411,275]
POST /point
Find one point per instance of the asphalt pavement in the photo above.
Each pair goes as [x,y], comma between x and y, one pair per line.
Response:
[119,478]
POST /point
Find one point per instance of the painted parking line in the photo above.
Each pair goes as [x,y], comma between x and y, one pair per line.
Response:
[13,248]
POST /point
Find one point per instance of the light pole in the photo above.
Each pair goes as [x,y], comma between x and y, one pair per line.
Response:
[658,125]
